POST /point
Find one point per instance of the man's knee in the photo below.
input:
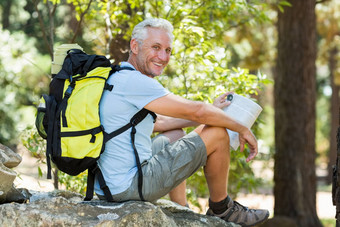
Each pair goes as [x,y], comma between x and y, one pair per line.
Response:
[217,133]
[221,133]
[214,137]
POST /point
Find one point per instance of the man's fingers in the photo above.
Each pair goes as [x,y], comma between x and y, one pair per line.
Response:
[224,95]
[241,147]
[250,157]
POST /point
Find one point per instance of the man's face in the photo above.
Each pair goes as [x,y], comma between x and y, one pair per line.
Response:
[154,53]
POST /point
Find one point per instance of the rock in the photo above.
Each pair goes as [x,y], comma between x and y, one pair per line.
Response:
[66,209]
[7,177]
[8,157]
[8,193]
[18,195]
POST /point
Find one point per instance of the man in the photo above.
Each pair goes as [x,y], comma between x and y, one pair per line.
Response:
[169,160]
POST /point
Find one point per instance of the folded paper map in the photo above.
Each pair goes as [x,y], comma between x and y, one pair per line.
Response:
[245,112]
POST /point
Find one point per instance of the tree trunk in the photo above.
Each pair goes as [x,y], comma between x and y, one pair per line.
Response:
[119,49]
[119,46]
[334,114]
[295,95]
[72,21]
[55,179]
[6,12]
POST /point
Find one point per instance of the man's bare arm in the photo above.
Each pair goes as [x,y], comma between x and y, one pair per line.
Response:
[175,106]
[165,123]
[178,107]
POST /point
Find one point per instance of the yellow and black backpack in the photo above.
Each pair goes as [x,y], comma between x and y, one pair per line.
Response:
[68,118]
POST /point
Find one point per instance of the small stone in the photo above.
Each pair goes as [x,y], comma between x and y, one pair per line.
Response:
[17,195]
[8,157]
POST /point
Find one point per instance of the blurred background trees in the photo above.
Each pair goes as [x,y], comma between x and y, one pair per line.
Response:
[219,45]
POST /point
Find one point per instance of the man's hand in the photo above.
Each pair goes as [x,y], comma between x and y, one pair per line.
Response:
[221,101]
[246,136]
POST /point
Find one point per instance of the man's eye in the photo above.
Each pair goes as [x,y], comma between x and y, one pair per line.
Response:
[168,51]
[156,47]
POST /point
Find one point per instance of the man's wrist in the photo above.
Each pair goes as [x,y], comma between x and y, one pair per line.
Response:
[243,129]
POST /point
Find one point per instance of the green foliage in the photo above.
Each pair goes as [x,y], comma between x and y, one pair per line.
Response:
[241,82]
[35,144]
[241,175]
[329,222]
[73,183]
[37,147]
[282,4]
[21,75]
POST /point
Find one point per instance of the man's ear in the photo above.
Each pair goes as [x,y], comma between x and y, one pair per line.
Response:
[134,46]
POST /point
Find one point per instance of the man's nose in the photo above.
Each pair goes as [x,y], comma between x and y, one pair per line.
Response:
[163,55]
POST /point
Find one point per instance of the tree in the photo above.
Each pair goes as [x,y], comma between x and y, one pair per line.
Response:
[295,95]
[6,6]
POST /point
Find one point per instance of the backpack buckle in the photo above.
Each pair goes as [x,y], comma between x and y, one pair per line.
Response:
[134,122]
[69,90]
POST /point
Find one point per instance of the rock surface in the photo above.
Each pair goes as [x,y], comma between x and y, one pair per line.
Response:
[7,177]
[9,159]
[62,208]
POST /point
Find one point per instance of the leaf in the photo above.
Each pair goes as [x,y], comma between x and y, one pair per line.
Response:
[285,3]
[40,173]
[280,8]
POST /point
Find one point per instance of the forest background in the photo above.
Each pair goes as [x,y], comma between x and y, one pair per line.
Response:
[219,46]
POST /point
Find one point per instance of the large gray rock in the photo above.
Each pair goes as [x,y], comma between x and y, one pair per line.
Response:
[8,159]
[66,209]
[7,177]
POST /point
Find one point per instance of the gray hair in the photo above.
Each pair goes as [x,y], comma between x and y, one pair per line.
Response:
[140,30]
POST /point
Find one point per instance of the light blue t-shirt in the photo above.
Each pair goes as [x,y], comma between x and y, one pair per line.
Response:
[131,92]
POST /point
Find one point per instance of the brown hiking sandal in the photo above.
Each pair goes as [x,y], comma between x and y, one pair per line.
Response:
[241,215]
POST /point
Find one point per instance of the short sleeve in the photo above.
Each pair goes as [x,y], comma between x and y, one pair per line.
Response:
[143,90]
[136,88]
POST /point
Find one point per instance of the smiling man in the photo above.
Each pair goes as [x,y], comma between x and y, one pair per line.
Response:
[151,55]
[170,158]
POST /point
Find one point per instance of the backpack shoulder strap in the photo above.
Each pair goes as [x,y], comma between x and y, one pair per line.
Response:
[116,68]
[92,172]
[95,171]
[135,120]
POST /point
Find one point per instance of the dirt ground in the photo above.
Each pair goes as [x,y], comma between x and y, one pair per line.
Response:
[28,178]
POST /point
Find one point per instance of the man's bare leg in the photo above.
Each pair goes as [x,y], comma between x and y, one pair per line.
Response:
[216,169]
[216,173]
[178,194]
[217,166]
